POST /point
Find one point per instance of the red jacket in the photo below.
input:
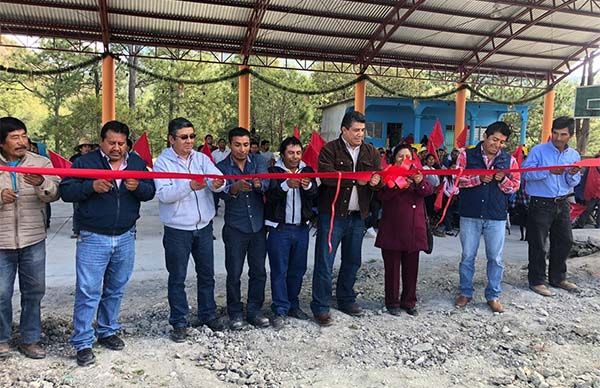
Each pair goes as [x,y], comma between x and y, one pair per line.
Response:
[402,226]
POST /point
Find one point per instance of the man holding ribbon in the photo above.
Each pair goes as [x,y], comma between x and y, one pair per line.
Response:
[23,199]
[187,209]
[244,232]
[483,211]
[108,210]
[348,153]
[549,209]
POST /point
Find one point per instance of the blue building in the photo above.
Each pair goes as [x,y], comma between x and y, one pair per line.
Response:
[391,117]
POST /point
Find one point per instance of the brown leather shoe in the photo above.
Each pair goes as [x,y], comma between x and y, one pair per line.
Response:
[34,351]
[354,310]
[496,306]
[461,301]
[4,349]
[324,319]
[566,285]
[542,290]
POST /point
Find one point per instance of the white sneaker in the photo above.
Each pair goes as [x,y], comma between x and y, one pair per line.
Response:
[371,233]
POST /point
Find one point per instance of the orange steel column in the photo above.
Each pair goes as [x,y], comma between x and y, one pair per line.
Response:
[548,115]
[108,89]
[244,99]
[459,115]
[360,96]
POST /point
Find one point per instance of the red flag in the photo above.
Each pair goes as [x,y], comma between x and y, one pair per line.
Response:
[416,160]
[461,140]
[297,132]
[142,147]
[58,161]
[518,155]
[206,151]
[311,152]
[577,209]
[437,136]
[431,149]
[439,197]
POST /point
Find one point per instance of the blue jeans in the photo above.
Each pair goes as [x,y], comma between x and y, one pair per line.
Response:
[179,244]
[237,246]
[493,231]
[288,248]
[349,231]
[103,265]
[30,263]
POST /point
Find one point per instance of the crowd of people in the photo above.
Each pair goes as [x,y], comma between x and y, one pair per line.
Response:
[271,217]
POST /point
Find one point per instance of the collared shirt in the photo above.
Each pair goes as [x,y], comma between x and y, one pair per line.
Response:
[353,203]
[245,210]
[293,204]
[544,183]
[509,185]
[219,155]
[121,168]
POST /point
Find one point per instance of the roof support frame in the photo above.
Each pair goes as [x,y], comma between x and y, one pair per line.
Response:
[572,8]
[103,11]
[382,34]
[258,13]
[513,34]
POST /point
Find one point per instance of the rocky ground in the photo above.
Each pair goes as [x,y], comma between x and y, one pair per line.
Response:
[539,342]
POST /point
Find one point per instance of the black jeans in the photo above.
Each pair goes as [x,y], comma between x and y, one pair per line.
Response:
[548,217]
[179,244]
[237,246]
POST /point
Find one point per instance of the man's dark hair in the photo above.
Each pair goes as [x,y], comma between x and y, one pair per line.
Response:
[130,144]
[564,122]
[238,131]
[221,139]
[498,127]
[262,143]
[288,141]
[10,124]
[177,124]
[207,136]
[116,127]
[351,117]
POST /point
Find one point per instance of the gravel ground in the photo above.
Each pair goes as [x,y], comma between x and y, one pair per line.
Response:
[539,342]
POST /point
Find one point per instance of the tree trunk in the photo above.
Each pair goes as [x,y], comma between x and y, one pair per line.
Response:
[132,61]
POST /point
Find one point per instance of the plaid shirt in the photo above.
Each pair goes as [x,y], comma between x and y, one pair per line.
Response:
[509,185]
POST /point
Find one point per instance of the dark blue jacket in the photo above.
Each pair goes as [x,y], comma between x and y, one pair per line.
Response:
[112,213]
[244,211]
[485,201]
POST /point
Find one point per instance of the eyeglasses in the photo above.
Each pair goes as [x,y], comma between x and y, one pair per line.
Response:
[185,137]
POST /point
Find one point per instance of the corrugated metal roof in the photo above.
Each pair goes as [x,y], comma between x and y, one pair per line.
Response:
[505,36]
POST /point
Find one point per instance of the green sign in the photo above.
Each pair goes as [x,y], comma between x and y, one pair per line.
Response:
[587,101]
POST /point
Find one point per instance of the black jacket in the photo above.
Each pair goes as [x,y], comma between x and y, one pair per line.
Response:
[112,213]
[277,197]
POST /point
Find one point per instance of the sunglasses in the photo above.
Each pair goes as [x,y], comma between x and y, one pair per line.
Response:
[185,137]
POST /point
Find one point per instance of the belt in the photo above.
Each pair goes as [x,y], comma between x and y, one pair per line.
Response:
[354,213]
[560,199]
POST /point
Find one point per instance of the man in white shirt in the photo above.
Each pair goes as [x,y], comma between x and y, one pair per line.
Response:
[186,209]
[221,152]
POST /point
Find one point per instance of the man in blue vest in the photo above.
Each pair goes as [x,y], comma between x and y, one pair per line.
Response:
[483,211]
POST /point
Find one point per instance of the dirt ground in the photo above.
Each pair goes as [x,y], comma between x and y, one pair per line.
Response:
[541,342]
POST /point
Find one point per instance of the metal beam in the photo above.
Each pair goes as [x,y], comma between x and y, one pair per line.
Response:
[260,8]
[575,9]
[384,32]
[574,58]
[103,11]
[513,34]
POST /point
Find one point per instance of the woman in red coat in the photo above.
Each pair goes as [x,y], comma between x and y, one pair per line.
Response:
[402,234]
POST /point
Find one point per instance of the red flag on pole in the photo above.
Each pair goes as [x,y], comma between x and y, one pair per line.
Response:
[416,160]
[431,149]
[518,155]
[311,152]
[206,151]
[437,135]
[142,147]
[461,140]
[297,132]
[58,161]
